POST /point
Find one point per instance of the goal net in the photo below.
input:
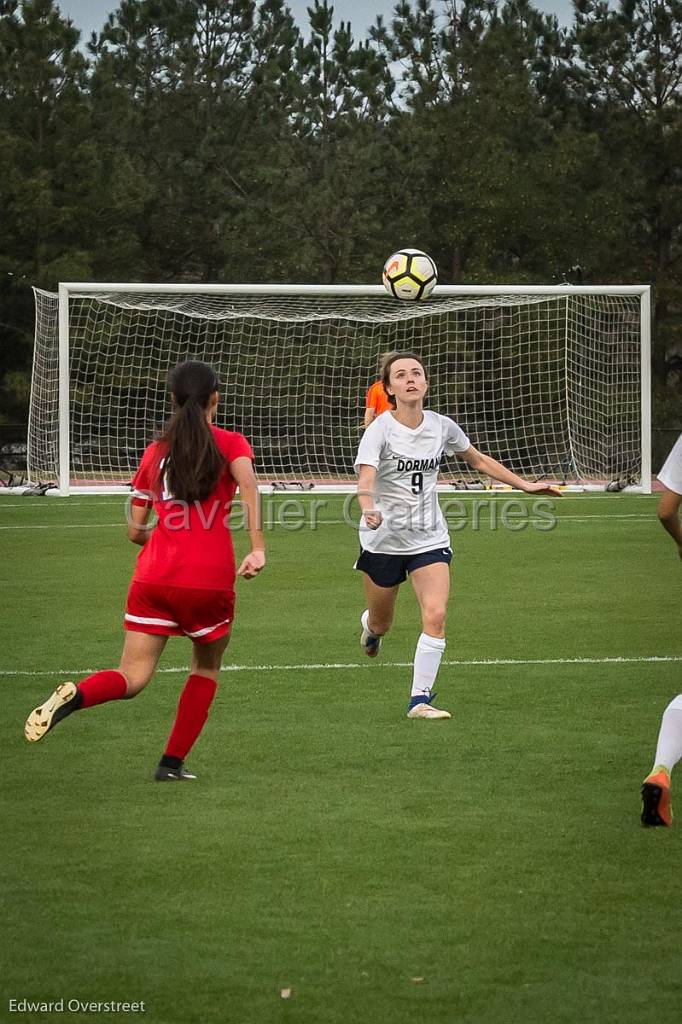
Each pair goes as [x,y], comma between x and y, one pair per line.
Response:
[549,383]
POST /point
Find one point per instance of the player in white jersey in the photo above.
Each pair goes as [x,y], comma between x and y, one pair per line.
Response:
[656,809]
[403,532]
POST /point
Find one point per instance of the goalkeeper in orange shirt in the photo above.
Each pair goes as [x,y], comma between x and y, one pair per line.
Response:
[377,399]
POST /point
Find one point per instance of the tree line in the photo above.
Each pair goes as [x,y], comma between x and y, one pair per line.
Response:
[220,141]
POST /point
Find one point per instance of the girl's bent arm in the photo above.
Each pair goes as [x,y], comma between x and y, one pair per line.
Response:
[366,480]
[669,515]
[139,531]
[249,495]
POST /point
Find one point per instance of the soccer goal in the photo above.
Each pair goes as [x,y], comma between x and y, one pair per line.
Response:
[552,381]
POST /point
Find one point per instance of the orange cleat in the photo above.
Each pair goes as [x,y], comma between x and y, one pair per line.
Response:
[656,809]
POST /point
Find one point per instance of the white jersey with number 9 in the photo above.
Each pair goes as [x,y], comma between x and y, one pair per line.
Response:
[407,463]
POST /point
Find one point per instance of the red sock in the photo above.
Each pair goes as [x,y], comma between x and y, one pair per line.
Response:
[195,700]
[101,687]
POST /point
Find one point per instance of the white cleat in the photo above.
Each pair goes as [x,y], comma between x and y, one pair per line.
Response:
[425,710]
[44,717]
[368,641]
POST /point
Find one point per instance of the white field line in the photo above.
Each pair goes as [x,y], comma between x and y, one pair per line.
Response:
[354,666]
[620,517]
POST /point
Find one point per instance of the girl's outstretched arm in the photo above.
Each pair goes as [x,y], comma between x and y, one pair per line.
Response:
[491,467]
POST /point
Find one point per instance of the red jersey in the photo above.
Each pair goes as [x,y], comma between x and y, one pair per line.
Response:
[191,544]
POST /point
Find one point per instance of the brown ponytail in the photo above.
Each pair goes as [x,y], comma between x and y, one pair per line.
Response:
[193,465]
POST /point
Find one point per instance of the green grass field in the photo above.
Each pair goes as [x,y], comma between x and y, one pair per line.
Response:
[486,870]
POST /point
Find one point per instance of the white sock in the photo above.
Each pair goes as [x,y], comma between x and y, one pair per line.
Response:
[364,621]
[426,663]
[669,748]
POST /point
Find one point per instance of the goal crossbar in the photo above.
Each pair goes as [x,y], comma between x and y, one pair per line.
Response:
[359,290]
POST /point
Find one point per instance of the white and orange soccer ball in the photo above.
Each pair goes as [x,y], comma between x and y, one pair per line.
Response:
[409,274]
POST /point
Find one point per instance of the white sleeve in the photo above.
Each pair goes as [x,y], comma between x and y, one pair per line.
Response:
[671,474]
[454,437]
[371,444]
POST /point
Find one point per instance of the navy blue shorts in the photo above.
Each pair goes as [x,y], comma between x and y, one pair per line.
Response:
[390,570]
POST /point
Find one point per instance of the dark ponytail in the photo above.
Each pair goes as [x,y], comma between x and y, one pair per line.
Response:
[193,464]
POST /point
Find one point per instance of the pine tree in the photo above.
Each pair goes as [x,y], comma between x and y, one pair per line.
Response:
[627,73]
[47,166]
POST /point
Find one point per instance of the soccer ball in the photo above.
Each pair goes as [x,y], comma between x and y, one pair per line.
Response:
[409,274]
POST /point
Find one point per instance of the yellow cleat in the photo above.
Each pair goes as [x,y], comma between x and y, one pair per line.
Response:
[56,707]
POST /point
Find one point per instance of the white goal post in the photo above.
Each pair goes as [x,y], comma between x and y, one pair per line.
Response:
[554,381]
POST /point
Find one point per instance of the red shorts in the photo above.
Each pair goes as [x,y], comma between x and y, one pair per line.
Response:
[202,615]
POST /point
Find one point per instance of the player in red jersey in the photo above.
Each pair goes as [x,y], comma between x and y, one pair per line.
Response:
[183,584]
